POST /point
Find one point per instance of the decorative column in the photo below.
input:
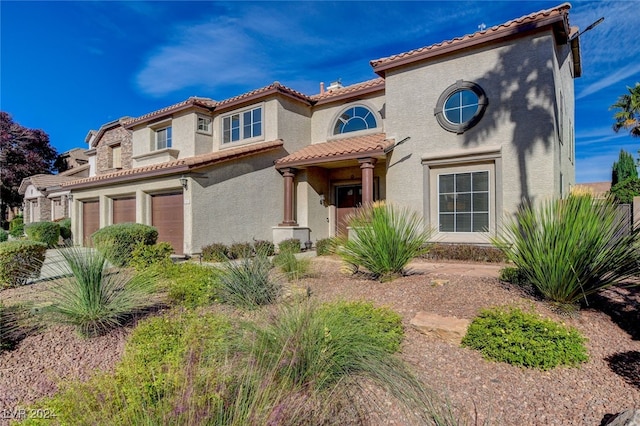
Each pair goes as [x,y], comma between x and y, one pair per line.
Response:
[288,175]
[367,165]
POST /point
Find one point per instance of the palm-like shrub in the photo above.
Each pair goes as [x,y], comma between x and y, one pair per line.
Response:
[387,239]
[95,298]
[571,248]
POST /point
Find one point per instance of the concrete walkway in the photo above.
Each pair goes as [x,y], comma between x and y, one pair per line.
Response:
[55,265]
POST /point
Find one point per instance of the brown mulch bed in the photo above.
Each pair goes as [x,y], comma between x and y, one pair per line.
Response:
[608,383]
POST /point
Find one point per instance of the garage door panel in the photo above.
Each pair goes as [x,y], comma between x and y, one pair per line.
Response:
[90,220]
[124,210]
[167,215]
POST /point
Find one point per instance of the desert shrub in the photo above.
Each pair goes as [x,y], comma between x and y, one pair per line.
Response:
[571,248]
[4,235]
[95,298]
[246,282]
[294,268]
[19,261]
[143,256]
[44,232]
[215,252]
[65,228]
[513,275]
[465,252]
[325,246]
[240,250]
[524,339]
[16,227]
[625,190]
[265,247]
[292,245]
[190,284]
[117,242]
[387,239]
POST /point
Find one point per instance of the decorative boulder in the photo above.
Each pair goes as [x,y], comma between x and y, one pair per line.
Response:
[449,329]
[630,417]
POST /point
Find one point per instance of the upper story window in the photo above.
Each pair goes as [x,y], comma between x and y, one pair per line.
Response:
[461,106]
[242,125]
[204,125]
[354,119]
[116,156]
[163,138]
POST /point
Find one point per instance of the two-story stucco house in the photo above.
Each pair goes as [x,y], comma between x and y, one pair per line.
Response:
[461,131]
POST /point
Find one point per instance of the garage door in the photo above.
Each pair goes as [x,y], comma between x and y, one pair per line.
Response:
[124,210]
[167,215]
[90,220]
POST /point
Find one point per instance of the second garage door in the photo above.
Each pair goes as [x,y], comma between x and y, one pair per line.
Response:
[124,210]
[167,215]
[90,220]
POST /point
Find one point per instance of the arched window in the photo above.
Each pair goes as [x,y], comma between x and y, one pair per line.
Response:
[353,119]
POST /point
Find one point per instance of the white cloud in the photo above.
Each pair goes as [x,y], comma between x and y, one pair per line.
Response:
[610,79]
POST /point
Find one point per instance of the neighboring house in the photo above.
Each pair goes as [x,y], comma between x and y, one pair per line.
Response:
[461,131]
[44,199]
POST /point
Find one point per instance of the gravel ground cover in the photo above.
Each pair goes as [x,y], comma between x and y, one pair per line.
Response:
[608,383]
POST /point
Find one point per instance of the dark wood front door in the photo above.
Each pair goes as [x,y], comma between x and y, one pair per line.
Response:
[348,198]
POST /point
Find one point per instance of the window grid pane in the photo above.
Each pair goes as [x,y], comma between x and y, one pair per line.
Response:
[245,125]
[463,202]
[355,119]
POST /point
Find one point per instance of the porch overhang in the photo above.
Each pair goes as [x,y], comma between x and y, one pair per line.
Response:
[338,152]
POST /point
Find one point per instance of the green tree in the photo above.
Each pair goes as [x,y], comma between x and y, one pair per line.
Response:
[627,115]
[624,168]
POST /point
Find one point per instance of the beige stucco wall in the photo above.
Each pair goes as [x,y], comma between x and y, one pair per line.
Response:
[518,78]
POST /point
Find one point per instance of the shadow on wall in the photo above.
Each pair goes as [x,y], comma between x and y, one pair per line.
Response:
[520,89]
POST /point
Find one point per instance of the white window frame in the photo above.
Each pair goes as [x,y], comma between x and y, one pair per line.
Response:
[241,116]
[207,124]
[168,139]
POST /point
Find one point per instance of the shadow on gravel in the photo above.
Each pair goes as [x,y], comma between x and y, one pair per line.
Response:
[627,366]
[622,304]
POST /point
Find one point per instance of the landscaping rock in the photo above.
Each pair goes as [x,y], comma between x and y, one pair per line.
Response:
[449,329]
[630,417]
[439,282]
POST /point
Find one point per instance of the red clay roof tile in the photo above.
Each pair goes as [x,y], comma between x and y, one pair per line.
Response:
[365,86]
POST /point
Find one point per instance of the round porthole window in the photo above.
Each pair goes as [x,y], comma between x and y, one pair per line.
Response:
[461,106]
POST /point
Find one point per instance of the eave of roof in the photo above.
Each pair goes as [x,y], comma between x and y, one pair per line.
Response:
[107,126]
[350,92]
[375,145]
[254,95]
[520,25]
[43,182]
[192,102]
[183,165]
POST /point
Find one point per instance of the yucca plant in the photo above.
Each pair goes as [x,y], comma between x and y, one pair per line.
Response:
[570,248]
[387,238]
[246,282]
[95,297]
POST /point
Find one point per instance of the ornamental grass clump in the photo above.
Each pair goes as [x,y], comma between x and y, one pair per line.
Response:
[571,248]
[386,239]
[246,282]
[524,339]
[96,298]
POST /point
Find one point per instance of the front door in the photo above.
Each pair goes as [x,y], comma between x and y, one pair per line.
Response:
[348,198]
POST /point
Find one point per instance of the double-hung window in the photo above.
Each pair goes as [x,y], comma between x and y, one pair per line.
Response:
[242,125]
[163,138]
[204,125]
[463,202]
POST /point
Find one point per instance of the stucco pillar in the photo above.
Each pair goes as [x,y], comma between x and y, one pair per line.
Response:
[367,165]
[288,175]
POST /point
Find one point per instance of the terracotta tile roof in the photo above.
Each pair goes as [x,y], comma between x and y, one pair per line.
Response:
[274,87]
[182,165]
[342,149]
[93,136]
[524,23]
[187,103]
[43,181]
[349,91]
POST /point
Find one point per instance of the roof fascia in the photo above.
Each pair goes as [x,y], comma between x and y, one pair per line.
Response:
[350,95]
[378,153]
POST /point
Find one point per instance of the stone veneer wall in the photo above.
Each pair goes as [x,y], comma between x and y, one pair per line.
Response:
[103,150]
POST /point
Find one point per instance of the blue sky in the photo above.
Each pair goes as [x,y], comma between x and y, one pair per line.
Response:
[68,67]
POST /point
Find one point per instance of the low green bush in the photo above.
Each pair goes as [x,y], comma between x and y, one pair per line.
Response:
[191,285]
[117,242]
[292,245]
[16,227]
[4,235]
[241,250]
[19,261]
[325,246]
[65,228]
[524,339]
[246,283]
[265,247]
[144,256]
[44,232]
[465,252]
[513,275]
[216,252]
